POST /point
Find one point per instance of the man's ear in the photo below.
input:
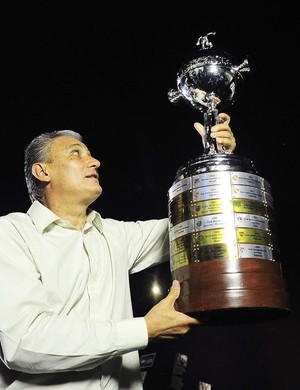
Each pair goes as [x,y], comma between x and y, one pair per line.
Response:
[39,170]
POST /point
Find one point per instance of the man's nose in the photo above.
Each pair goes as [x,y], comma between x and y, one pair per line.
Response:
[94,162]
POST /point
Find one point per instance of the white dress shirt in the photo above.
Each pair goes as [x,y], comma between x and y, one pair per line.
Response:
[66,318]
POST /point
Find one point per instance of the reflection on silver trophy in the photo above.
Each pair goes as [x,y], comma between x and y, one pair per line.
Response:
[223,236]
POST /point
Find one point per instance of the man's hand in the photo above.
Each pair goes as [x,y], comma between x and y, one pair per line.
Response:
[221,133]
[163,321]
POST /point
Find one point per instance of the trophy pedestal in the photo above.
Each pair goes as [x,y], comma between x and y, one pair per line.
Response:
[223,242]
[243,290]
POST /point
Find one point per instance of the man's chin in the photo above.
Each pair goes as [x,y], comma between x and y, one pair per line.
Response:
[91,196]
[98,193]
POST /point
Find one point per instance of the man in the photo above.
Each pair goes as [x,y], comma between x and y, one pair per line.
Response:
[66,318]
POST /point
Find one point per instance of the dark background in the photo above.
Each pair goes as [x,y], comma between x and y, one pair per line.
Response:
[105,71]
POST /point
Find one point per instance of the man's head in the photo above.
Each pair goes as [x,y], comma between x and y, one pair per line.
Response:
[58,164]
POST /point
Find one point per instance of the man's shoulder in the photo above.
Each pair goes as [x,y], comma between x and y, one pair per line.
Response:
[14,218]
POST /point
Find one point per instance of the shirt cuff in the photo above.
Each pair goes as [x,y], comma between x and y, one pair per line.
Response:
[132,333]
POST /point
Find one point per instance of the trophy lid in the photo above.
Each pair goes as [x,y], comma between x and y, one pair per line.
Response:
[208,74]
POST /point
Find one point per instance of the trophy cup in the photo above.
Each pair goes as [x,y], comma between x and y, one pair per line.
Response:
[223,235]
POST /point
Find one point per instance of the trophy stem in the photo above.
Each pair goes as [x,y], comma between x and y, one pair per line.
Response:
[210,119]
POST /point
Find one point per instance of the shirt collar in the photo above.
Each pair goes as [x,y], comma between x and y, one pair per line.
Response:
[95,219]
[43,217]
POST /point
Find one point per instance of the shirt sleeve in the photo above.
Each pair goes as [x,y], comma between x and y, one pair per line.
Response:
[148,244]
[34,338]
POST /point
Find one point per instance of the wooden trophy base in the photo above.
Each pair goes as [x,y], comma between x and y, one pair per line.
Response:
[239,291]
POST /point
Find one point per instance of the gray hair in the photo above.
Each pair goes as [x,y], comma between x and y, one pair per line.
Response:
[39,150]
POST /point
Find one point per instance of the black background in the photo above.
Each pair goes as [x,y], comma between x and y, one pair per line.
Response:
[105,70]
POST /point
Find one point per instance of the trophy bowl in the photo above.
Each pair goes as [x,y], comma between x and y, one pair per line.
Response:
[208,76]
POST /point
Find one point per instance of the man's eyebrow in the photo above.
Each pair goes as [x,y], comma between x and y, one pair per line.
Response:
[71,146]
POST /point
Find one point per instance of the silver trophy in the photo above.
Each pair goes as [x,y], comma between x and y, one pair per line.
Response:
[223,236]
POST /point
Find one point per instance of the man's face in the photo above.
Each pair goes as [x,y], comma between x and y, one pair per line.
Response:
[73,172]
